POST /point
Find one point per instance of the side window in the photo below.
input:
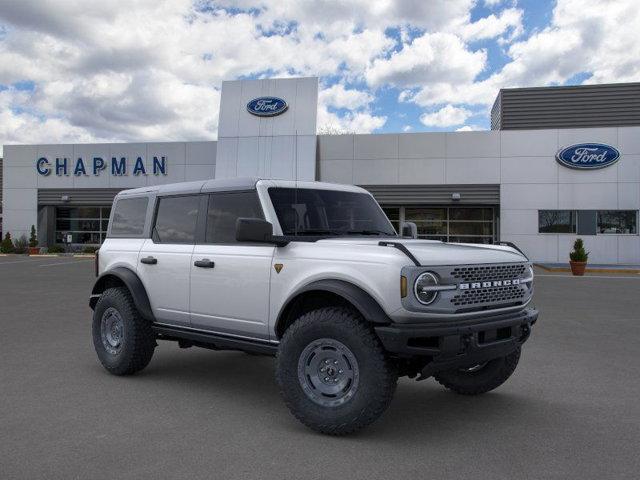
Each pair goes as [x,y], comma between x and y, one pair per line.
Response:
[225,209]
[176,219]
[128,216]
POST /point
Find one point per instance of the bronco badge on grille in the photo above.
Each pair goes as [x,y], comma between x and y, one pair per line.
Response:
[493,283]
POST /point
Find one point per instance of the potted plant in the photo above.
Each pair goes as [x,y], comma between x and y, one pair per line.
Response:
[578,258]
[7,244]
[33,242]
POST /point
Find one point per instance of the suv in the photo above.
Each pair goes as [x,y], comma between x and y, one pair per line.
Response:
[315,275]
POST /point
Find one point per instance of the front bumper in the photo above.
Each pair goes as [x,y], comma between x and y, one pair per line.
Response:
[466,343]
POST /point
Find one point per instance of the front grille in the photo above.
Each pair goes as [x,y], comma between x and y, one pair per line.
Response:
[481,273]
[508,294]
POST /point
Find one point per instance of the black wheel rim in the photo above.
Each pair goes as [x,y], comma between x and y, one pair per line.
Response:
[112,330]
[328,372]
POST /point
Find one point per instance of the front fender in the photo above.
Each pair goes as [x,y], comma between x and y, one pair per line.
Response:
[123,275]
[361,300]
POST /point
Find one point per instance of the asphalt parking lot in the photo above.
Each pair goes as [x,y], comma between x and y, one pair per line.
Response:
[571,410]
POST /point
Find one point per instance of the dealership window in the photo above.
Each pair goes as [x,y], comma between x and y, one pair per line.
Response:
[176,219]
[557,221]
[86,225]
[448,224]
[618,221]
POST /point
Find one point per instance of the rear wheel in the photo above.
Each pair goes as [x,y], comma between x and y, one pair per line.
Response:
[480,378]
[122,339]
[333,373]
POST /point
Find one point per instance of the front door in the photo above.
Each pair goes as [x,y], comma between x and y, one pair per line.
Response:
[230,280]
[164,262]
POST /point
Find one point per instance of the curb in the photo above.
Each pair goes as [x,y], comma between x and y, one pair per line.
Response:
[590,269]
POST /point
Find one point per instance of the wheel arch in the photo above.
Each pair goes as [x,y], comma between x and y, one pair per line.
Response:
[123,277]
[329,293]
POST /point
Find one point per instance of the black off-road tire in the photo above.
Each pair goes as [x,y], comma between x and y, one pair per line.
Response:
[493,374]
[137,339]
[377,375]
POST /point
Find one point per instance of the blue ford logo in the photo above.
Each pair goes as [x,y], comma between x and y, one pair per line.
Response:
[588,156]
[267,106]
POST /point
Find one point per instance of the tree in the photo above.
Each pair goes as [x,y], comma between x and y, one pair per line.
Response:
[579,254]
[7,244]
[33,238]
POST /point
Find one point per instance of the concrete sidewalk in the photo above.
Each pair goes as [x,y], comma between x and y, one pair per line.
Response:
[591,268]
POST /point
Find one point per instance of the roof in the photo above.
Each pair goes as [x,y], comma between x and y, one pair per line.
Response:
[229,184]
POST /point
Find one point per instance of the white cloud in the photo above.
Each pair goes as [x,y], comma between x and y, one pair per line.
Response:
[583,37]
[338,96]
[407,128]
[509,20]
[447,116]
[432,57]
[469,128]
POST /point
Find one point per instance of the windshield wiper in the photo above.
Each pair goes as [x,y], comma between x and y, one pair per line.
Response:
[313,231]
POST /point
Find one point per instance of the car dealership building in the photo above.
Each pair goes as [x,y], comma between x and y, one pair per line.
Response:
[559,162]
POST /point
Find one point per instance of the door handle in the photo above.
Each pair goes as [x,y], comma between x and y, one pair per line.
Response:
[204,263]
[149,260]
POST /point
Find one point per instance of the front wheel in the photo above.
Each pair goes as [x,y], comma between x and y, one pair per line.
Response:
[480,378]
[123,339]
[333,373]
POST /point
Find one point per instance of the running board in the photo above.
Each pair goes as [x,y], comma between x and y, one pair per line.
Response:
[215,341]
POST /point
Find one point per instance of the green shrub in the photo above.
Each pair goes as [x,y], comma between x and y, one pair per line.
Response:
[56,249]
[90,249]
[579,254]
[7,244]
[20,245]
[33,238]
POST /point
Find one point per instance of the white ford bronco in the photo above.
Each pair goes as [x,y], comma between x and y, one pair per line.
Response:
[316,275]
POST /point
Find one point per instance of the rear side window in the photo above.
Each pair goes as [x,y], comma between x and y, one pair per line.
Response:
[176,219]
[225,209]
[128,216]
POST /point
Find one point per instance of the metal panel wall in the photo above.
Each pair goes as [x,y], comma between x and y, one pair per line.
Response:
[435,194]
[605,105]
[77,196]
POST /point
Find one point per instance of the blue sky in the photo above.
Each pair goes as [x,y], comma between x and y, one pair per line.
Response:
[77,71]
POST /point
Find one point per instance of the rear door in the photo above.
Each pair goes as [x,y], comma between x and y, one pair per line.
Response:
[230,280]
[164,263]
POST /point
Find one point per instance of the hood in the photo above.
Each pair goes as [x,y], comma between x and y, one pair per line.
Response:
[431,252]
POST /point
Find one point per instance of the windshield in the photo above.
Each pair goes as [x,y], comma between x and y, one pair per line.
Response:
[307,211]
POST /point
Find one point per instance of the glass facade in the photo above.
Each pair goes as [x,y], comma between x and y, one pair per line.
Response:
[86,225]
[448,224]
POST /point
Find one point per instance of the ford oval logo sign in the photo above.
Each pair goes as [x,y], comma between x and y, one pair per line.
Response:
[267,106]
[588,156]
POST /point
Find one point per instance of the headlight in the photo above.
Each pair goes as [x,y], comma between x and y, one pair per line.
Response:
[424,288]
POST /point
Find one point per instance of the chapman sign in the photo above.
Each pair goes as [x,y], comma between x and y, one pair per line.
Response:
[96,165]
[588,156]
[267,106]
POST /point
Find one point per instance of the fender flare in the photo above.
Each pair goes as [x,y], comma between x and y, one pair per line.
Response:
[368,307]
[133,284]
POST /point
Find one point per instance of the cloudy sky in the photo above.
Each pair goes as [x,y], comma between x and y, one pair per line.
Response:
[82,71]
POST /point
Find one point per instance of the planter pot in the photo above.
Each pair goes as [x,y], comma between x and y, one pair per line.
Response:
[578,268]
[34,250]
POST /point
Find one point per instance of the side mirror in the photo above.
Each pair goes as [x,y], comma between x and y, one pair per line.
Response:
[409,229]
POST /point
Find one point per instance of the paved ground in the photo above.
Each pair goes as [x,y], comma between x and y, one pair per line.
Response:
[572,409]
